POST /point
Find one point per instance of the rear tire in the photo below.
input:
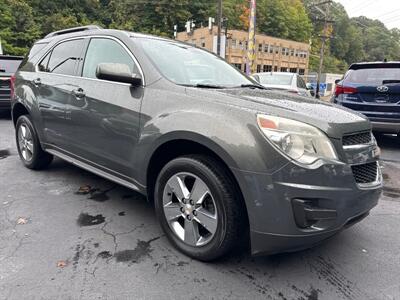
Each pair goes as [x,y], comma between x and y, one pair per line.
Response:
[217,216]
[28,145]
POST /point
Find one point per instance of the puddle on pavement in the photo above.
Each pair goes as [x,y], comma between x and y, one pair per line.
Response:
[95,194]
[104,255]
[85,219]
[142,250]
[4,153]
[99,196]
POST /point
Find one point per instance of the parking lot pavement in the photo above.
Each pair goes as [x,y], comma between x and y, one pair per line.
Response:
[60,239]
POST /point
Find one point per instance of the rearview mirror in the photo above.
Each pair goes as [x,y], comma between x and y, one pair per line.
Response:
[118,73]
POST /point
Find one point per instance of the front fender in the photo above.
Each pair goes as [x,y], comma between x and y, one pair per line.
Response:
[233,137]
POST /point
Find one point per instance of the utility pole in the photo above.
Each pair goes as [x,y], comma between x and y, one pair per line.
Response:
[251,48]
[324,37]
[219,27]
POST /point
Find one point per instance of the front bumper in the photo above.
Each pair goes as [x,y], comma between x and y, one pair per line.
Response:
[5,104]
[274,224]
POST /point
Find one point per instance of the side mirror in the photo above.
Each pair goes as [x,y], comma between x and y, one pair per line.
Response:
[337,81]
[118,73]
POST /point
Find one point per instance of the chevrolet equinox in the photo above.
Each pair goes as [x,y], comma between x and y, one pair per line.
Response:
[224,160]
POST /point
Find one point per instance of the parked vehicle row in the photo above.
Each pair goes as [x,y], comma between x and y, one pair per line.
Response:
[223,158]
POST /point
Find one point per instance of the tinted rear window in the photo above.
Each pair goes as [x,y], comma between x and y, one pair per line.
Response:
[373,76]
[9,65]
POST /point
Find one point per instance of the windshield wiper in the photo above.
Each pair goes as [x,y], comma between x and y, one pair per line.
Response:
[205,86]
[256,86]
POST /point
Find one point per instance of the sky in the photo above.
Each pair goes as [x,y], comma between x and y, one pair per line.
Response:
[387,11]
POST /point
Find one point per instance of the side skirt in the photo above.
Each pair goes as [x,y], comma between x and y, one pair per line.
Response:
[96,170]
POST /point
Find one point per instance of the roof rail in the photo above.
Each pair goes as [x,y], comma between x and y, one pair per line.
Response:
[72,30]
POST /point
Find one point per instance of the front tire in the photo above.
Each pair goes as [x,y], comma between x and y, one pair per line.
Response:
[198,207]
[28,145]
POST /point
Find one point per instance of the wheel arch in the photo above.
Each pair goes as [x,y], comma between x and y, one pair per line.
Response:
[169,149]
[18,110]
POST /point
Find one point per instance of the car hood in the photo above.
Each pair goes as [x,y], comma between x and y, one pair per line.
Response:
[334,120]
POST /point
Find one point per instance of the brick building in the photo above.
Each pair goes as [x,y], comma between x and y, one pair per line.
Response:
[272,54]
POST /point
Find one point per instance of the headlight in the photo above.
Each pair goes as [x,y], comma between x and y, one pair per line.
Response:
[301,142]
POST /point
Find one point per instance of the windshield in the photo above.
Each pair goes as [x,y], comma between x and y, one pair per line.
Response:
[378,76]
[187,65]
[276,79]
[9,65]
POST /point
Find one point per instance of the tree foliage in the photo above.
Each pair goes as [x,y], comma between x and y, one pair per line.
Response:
[355,39]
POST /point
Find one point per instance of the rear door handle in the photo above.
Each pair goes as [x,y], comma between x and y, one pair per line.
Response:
[79,93]
[37,82]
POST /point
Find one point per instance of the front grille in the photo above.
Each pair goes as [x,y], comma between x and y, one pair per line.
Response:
[357,139]
[366,173]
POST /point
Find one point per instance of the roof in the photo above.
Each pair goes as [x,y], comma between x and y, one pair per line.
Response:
[375,64]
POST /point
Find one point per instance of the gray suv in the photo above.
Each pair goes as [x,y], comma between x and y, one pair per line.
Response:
[224,160]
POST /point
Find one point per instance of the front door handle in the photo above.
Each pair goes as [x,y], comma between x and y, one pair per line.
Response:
[79,93]
[37,82]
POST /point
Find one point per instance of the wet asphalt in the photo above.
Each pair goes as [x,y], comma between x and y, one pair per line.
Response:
[69,234]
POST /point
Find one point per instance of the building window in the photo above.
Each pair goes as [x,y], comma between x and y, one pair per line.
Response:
[296,53]
[260,47]
[241,45]
[283,69]
[293,70]
[238,66]
[267,68]
[258,68]
[283,51]
[301,71]
[305,54]
[291,52]
[203,42]
[276,69]
[277,49]
[233,44]
[271,49]
[266,47]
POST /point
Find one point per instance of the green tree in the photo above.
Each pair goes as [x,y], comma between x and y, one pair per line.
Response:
[18,30]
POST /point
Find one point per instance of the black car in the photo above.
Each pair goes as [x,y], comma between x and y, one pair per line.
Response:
[223,158]
[8,66]
[373,89]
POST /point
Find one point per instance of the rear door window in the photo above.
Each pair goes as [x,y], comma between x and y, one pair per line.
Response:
[64,58]
[300,83]
[103,50]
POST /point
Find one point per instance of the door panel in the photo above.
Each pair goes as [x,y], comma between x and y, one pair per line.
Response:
[55,83]
[104,123]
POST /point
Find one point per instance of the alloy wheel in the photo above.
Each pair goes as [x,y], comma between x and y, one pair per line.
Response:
[25,142]
[190,210]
